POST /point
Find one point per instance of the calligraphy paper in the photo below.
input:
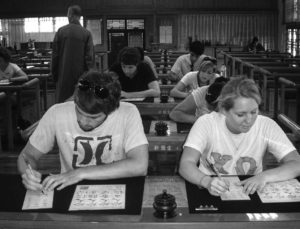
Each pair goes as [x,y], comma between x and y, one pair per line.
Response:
[235,190]
[38,200]
[98,197]
[278,192]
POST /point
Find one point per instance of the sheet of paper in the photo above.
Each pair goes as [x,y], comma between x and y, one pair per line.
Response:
[38,200]
[98,197]
[235,191]
[133,100]
[155,186]
[172,127]
[278,192]
[5,82]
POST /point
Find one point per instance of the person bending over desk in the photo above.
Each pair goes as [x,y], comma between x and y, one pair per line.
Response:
[192,80]
[202,101]
[98,137]
[235,140]
[10,72]
[136,78]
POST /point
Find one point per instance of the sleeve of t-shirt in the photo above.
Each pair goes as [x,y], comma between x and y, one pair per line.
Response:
[134,133]
[147,72]
[176,67]
[43,138]
[277,142]
[198,136]
[199,95]
[186,79]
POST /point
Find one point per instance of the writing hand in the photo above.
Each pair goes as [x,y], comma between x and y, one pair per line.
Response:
[32,180]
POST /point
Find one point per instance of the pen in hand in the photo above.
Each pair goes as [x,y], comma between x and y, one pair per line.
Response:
[31,171]
[212,167]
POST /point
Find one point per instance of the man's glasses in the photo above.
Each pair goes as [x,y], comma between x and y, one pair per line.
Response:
[98,90]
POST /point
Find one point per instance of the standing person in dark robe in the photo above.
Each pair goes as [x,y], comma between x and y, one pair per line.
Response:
[72,54]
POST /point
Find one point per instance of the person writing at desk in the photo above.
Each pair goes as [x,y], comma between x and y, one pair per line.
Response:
[235,140]
[10,72]
[98,137]
[201,101]
[192,80]
[136,78]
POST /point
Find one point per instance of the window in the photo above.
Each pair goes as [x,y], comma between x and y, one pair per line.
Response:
[293,44]
[31,25]
[292,11]
[135,24]
[165,34]
[59,22]
[95,27]
[115,24]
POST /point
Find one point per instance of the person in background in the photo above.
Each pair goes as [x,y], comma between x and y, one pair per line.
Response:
[192,80]
[188,62]
[98,137]
[254,46]
[72,54]
[10,72]
[136,77]
[201,101]
[234,140]
[147,59]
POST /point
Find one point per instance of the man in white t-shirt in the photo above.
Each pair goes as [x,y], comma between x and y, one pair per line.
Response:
[188,62]
[98,137]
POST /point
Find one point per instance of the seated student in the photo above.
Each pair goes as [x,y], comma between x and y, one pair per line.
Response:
[254,46]
[192,80]
[147,59]
[235,140]
[10,71]
[136,78]
[98,137]
[201,101]
[188,62]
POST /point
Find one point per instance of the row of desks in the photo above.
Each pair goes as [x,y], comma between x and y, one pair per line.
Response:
[138,212]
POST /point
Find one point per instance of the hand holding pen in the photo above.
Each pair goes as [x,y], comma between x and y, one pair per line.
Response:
[31,178]
[217,185]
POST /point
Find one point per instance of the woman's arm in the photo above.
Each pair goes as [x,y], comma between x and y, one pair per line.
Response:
[188,170]
[289,168]
[185,111]
[19,76]
[178,91]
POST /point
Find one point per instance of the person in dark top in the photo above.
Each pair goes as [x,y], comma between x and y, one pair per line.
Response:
[136,78]
[254,46]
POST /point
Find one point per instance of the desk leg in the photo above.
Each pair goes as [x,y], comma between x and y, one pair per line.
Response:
[10,134]
[45,92]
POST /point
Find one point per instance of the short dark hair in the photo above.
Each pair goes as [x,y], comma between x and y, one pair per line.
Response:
[197,47]
[5,54]
[130,56]
[91,103]
[75,10]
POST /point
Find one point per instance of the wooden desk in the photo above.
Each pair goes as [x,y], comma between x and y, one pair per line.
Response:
[9,90]
[153,106]
[146,220]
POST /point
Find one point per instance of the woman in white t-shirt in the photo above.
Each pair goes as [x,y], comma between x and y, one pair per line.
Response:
[201,101]
[192,80]
[10,72]
[234,141]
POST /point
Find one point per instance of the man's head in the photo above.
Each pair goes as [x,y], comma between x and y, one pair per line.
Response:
[196,50]
[74,13]
[129,59]
[96,96]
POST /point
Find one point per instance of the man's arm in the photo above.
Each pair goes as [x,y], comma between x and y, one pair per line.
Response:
[153,91]
[135,164]
[29,158]
[179,90]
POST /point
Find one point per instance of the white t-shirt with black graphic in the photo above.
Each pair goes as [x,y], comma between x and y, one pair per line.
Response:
[122,131]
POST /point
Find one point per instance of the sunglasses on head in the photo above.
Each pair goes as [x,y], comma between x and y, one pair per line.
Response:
[213,60]
[98,90]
